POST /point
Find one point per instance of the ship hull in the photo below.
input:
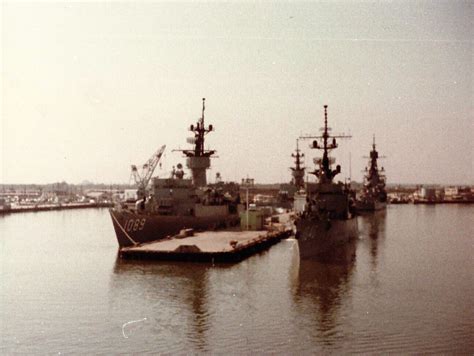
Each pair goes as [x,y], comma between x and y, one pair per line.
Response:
[324,240]
[370,205]
[132,229]
[424,201]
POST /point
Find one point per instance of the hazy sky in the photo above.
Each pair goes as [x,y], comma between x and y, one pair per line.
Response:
[90,88]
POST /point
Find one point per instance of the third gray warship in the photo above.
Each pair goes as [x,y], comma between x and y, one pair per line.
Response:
[374,196]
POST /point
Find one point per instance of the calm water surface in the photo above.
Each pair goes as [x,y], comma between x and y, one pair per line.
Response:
[409,289]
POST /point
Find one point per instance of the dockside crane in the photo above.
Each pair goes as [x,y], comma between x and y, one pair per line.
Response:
[143,178]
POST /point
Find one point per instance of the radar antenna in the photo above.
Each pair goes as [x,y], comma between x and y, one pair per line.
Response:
[198,159]
[325,173]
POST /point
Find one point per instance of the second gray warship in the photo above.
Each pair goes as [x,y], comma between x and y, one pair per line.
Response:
[328,221]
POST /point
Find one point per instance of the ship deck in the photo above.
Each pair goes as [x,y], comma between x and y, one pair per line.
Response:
[211,246]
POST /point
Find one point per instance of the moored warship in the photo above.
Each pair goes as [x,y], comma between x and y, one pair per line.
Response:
[374,196]
[298,172]
[177,203]
[291,192]
[328,220]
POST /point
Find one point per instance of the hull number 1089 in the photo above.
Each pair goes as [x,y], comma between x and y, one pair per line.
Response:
[134,224]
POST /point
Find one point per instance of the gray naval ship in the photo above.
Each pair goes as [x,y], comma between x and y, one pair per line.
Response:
[328,220]
[289,193]
[177,203]
[374,196]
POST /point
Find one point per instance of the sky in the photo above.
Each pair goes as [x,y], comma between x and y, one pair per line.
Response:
[89,88]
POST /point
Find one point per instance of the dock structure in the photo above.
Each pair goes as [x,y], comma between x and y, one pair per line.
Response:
[51,207]
[210,246]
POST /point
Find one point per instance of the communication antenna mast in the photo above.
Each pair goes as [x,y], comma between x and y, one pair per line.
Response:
[350,167]
[198,159]
[325,173]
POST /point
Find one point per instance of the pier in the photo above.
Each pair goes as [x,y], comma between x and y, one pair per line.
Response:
[211,246]
[50,207]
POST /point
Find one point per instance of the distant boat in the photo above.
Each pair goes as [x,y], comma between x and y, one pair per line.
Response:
[398,199]
[5,207]
[425,195]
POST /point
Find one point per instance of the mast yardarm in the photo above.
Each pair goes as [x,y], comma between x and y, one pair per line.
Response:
[198,159]
[200,130]
[325,173]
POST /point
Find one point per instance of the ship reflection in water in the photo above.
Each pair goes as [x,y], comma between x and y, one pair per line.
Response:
[406,289]
[173,298]
[372,230]
[202,307]
[320,288]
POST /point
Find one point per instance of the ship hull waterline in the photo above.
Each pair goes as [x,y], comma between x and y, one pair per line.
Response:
[132,229]
[370,205]
[323,240]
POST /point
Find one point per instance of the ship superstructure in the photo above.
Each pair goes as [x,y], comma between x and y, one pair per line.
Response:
[328,219]
[373,196]
[199,159]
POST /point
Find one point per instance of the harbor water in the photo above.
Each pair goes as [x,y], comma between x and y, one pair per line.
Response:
[408,288]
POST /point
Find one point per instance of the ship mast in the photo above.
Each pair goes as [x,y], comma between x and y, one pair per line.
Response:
[298,169]
[325,173]
[198,159]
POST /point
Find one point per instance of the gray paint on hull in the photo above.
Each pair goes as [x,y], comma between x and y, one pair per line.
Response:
[370,206]
[317,239]
[157,227]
